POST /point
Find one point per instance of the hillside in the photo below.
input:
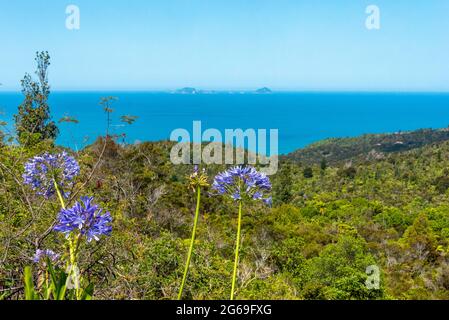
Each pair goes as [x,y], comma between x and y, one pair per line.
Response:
[327,225]
[369,146]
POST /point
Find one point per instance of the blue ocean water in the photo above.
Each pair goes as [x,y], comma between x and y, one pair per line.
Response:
[301,118]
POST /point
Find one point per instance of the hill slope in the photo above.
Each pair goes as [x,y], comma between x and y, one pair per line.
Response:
[369,146]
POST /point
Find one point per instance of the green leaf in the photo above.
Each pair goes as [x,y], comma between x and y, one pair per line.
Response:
[30,294]
[58,281]
[62,285]
[88,292]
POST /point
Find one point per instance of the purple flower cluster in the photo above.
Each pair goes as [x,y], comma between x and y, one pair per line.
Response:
[243,182]
[86,217]
[41,254]
[42,171]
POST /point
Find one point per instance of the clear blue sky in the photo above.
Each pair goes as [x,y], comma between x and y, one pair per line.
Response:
[229,44]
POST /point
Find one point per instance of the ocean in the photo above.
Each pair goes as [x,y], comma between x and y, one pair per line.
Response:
[301,118]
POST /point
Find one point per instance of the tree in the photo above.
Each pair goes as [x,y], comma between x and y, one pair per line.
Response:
[282,188]
[2,134]
[106,103]
[420,240]
[68,119]
[33,121]
[339,271]
[323,164]
[349,172]
[308,173]
[442,184]
[129,119]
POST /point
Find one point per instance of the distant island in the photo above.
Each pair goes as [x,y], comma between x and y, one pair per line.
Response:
[187,90]
[264,90]
[191,90]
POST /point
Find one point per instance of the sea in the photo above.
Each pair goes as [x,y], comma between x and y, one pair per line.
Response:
[301,118]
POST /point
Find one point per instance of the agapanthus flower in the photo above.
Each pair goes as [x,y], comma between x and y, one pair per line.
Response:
[243,183]
[42,171]
[198,179]
[86,218]
[47,253]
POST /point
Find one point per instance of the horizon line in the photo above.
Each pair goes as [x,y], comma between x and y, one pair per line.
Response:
[234,91]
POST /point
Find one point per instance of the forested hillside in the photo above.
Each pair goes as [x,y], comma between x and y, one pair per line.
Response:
[369,146]
[329,222]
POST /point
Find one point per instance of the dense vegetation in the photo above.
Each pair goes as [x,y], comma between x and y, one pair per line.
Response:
[366,147]
[325,228]
[330,221]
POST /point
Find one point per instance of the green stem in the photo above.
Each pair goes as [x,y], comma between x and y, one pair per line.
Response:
[73,246]
[237,247]
[61,199]
[192,242]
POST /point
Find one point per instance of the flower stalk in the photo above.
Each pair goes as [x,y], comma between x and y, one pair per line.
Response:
[237,248]
[48,175]
[58,192]
[192,242]
[73,245]
[73,248]
[242,184]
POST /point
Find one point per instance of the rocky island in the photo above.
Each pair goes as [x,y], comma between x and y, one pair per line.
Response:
[187,90]
[264,90]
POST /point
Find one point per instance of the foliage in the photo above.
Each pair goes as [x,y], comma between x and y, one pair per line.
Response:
[369,146]
[338,208]
[314,244]
[33,121]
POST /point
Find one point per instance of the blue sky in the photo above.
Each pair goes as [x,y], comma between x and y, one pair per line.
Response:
[218,44]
